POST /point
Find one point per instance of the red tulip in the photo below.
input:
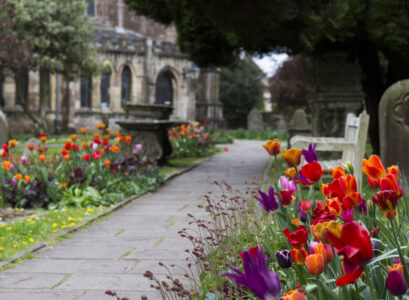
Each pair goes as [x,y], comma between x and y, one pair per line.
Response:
[68,146]
[312,171]
[356,247]
[389,182]
[297,238]
[64,152]
[337,172]
[87,157]
[306,206]
[373,167]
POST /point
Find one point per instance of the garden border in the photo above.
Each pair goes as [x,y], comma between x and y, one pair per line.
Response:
[104,213]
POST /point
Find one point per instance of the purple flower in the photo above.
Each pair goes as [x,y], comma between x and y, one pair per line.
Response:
[310,155]
[263,282]
[11,168]
[303,179]
[269,202]
[284,259]
[395,283]
[14,182]
[23,159]
[311,247]
[362,208]
[303,216]
[138,147]
[286,184]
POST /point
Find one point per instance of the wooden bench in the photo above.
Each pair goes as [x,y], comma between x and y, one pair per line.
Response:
[352,145]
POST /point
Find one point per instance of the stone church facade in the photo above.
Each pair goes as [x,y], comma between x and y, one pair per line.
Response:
[142,65]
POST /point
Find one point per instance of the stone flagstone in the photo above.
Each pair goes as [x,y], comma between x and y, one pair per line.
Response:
[115,252]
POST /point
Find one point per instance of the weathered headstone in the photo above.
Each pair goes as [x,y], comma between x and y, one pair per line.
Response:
[255,120]
[394,125]
[4,129]
[298,125]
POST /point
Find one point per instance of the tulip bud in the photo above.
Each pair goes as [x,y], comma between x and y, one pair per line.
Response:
[395,283]
[284,259]
[315,264]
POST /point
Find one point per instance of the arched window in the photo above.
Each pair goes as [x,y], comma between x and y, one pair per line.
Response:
[91,8]
[126,85]
[86,88]
[22,77]
[105,84]
[164,88]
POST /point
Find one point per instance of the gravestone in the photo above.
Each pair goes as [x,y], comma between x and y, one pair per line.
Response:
[4,129]
[298,125]
[394,125]
[255,120]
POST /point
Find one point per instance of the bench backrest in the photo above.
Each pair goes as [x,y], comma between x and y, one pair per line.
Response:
[356,131]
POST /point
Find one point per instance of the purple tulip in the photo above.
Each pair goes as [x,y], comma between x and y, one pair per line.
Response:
[269,202]
[284,259]
[11,168]
[347,215]
[303,216]
[138,147]
[362,208]
[395,283]
[285,184]
[303,179]
[311,247]
[23,159]
[310,155]
[14,182]
[262,281]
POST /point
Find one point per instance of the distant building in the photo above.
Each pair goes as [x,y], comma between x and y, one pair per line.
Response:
[143,65]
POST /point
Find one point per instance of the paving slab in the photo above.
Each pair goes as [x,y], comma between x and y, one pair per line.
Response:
[115,252]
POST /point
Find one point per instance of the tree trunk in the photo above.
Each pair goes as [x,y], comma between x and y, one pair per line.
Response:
[373,87]
[25,104]
[44,97]
[65,105]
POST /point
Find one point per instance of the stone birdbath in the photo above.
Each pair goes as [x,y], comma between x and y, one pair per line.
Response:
[148,124]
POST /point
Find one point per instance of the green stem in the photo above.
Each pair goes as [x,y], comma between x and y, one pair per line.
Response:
[275,157]
[370,285]
[299,179]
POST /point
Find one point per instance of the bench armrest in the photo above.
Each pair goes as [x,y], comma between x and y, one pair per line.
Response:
[323,143]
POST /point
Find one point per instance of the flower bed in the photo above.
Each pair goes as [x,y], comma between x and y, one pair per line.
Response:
[300,246]
[82,173]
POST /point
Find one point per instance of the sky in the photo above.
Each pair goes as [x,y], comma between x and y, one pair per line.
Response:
[270,63]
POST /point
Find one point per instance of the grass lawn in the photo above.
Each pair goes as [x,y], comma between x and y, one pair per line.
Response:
[25,232]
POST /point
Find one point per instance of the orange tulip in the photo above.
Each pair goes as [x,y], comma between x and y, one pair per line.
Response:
[42,157]
[6,164]
[337,172]
[128,139]
[295,254]
[19,176]
[43,137]
[292,157]
[100,126]
[315,264]
[373,167]
[64,185]
[325,250]
[293,295]
[107,163]
[291,173]
[96,135]
[83,130]
[106,137]
[334,205]
[85,145]
[67,157]
[73,137]
[12,143]
[115,148]
[31,147]
[396,267]
[394,170]
[325,189]
[273,147]
[27,178]
[40,149]
[295,221]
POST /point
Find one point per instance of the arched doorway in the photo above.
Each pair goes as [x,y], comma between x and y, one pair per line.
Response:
[126,85]
[164,88]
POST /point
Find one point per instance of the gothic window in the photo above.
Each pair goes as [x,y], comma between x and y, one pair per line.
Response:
[164,88]
[91,8]
[126,85]
[105,83]
[23,79]
[86,88]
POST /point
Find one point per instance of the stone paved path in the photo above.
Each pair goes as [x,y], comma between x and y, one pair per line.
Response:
[115,252]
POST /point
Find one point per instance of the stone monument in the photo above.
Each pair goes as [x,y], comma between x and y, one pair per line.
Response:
[255,120]
[394,125]
[298,125]
[4,129]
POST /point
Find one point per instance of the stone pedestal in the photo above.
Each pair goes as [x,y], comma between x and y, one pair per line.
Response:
[337,91]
